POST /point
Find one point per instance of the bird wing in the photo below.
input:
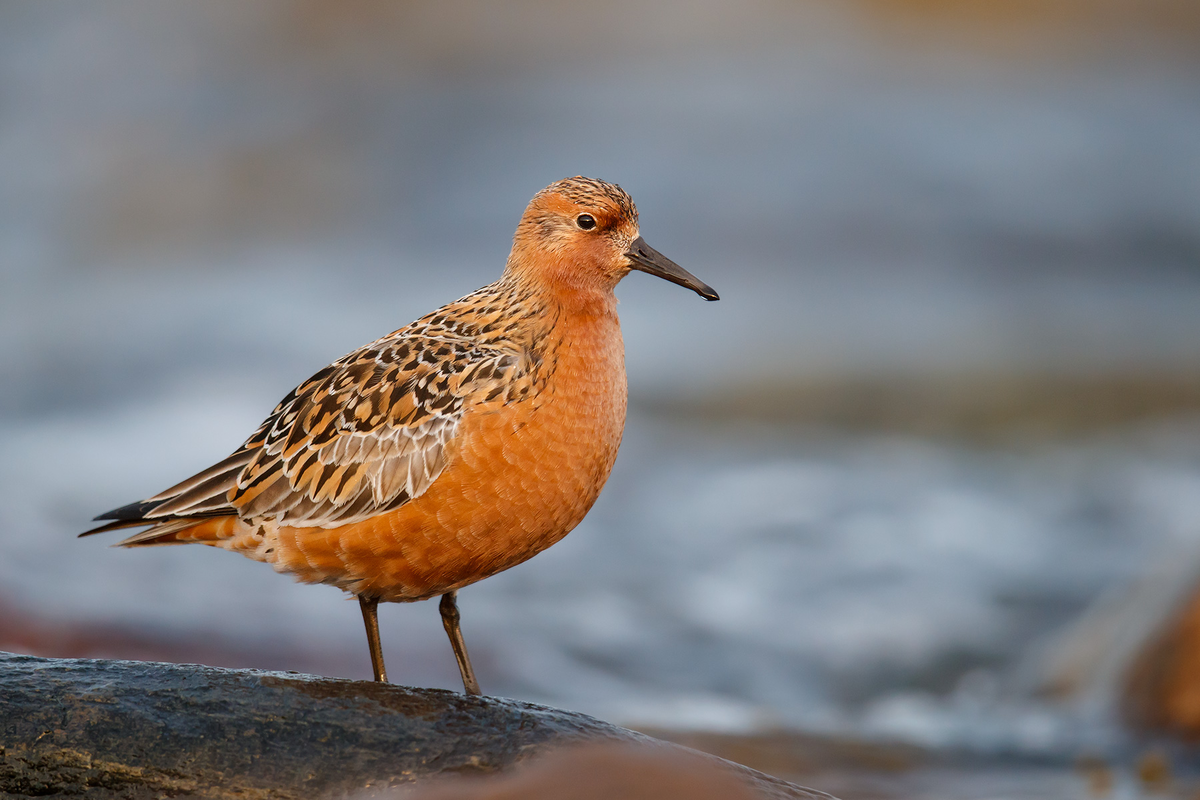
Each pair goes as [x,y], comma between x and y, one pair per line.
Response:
[364,435]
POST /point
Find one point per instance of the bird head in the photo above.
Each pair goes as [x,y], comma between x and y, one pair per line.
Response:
[581,236]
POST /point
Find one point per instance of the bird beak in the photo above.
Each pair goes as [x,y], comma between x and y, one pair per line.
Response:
[646,259]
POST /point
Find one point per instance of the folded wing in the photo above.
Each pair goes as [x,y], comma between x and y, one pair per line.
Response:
[363,436]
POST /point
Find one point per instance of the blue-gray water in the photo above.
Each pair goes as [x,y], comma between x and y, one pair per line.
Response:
[198,208]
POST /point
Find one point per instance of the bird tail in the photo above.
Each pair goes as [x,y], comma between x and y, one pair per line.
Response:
[196,510]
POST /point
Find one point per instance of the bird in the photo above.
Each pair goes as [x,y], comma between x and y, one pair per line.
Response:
[446,451]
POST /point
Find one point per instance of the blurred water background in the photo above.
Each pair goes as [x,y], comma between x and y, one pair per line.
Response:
[947,403]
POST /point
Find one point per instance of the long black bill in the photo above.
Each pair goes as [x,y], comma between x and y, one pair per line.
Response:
[646,259]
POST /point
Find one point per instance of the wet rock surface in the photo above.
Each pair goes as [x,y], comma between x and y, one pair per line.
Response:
[123,729]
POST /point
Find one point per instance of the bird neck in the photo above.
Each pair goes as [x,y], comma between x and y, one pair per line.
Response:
[564,288]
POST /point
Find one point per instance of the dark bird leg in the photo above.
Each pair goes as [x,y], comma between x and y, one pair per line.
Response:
[370,606]
[450,619]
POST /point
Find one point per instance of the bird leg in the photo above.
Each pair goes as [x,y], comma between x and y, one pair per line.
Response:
[450,619]
[370,606]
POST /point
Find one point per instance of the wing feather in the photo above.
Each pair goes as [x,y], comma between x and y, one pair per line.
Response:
[372,433]
[362,436]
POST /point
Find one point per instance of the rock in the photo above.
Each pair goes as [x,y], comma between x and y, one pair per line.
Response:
[124,729]
[598,772]
[1162,685]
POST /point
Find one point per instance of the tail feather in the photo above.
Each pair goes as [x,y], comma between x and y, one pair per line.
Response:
[112,526]
[202,497]
[133,511]
[163,533]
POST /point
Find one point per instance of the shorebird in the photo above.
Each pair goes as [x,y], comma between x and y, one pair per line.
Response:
[451,449]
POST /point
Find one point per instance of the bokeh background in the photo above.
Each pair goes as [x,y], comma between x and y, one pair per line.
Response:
[928,473]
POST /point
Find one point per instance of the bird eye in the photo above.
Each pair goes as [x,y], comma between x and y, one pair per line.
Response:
[585,222]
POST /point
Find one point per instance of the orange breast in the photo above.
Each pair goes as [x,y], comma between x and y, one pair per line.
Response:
[518,478]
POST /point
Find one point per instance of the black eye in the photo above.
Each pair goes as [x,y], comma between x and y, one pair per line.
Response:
[585,222]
